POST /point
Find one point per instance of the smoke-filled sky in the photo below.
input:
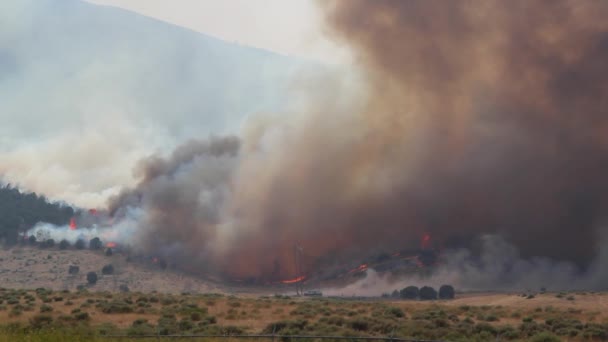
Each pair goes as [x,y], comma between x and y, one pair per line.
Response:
[462,119]
[86,91]
[291,27]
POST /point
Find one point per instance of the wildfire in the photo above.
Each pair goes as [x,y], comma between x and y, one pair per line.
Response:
[72,224]
[360,268]
[426,241]
[93,211]
[294,280]
[111,244]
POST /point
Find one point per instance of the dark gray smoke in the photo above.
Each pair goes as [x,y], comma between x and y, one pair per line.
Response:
[182,198]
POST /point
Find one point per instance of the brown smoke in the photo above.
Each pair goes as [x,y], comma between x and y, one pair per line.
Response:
[509,100]
[482,117]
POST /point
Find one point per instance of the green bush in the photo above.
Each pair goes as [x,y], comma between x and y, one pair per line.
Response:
[410,292]
[92,278]
[64,244]
[544,337]
[396,312]
[359,324]
[80,244]
[446,292]
[95,243]
[107,269]
[428,293]
[82,316]
[45,308]
[115,306]
[41,320]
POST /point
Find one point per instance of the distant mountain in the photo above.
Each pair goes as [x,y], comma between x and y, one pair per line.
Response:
[63,62]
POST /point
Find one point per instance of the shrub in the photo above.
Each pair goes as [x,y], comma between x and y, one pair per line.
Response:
[109,252]
[82,316]
[107,269]
[428,293]
[140,327]
[92,278]
[73,269]
[397,312]
[41,320]
[64,244]
[410,292]
[123,288]
[50,243]
[95,243]
[79,244]
[446,292]
[167,324]
[359,324]
[46,308]
[185,325]
[17,310]
[544,337]
[115,306]
[32,240]
[285,326]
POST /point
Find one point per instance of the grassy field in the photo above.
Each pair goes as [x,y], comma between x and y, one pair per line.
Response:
[46,315]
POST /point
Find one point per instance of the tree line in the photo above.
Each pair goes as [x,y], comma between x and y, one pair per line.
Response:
[20,211]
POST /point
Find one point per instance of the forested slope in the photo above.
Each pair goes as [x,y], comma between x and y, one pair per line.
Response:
[22,210]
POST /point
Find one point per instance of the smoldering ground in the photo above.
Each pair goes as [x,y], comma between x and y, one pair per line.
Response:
[479,117]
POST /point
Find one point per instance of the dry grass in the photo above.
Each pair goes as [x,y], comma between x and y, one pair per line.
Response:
[31,267]
[155,303]
[495,313]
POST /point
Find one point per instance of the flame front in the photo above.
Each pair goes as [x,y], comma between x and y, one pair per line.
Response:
[294,280]
[111,244]
[72,224]
[360,268]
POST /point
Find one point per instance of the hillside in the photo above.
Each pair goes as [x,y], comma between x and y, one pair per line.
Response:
[85,61]
[20,211]
[33,267]
[87,91]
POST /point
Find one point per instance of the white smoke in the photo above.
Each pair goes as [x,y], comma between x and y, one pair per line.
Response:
[122,231]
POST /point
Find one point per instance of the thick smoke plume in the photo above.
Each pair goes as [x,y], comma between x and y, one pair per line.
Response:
[490,116]
[480,117]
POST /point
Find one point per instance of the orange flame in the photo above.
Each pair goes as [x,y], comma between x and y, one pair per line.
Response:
[72,224]
[426,241]
[360,268]
[294,280]
[111,244]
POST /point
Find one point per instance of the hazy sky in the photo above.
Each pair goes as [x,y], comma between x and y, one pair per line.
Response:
[289,27]
[87,90]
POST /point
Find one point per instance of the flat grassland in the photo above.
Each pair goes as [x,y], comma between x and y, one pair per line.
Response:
[47,315]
